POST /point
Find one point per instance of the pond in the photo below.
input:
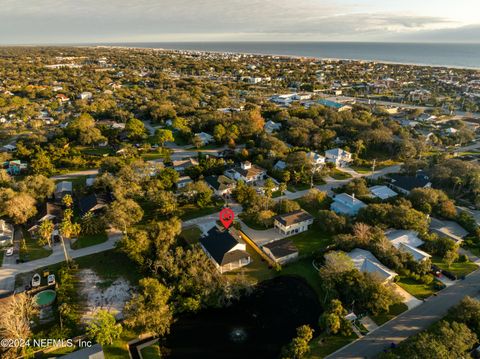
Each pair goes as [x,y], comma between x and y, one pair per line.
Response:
[257,326]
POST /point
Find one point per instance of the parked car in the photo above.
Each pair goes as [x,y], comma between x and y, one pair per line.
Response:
[36,280]
[51,279]
[9,252]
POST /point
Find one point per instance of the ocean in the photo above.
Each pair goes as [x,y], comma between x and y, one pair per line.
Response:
[431,54]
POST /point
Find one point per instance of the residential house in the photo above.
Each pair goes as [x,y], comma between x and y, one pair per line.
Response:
[206,138]
[282,251]
[346,204]
[247,172]
[366,262]
[405,183]
[338,156]
[62,98]
[62,189]
[221,185]
[284,100]
[86,95]
[382,192]
[224,250]
[182,165]
[448,229]
[293,223]
[6,233]
[183,181]
[317,161]
[407,241]
[271,126]
[340,107]
[93,203]
[280,166]
[52,212]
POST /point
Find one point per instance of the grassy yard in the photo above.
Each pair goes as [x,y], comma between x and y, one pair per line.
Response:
[458,268]
[339,175]
[30,249]
[151,352]
[2,253]
[311,241]
[417,289]
[248,220]
[324,345]
[96,151]
[257,271]
[118,349]
[304,269]
[192,211]
[89,240]
[395,309]
[191,235]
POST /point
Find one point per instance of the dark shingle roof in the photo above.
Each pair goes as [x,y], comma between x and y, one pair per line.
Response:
[410,182]
[218,243]
[281,248]
[297,216]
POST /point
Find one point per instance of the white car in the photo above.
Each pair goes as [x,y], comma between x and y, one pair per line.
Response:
[36,280]
[51,279]
[9,252]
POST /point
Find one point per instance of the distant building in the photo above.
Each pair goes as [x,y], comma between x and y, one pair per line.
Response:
[224,250]
[62,189]
[334,105]
[280,166]
[246,172]
[346,204]
[93,352]
[382,192]
[85,95]
[407,241]
[93,203]
[221,185]
[315,159]
[182,165]
[271,126]
[282,251]
[206,138]
[366,262]
[293,223]
[338,156]
[405,183]
[183,181]
[6,233]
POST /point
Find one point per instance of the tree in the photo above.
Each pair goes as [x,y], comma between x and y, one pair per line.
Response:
[18,311]
[92,224]
[68,229]
[331,222]
[123,213]
[468,312]
[333,320]
[282,188]
[315,198]
[162,136]
[165,201]
[135,129]
[38,186]
[20,207]
[45,231]
[299,346]
[268,187]
[265,218]
[450,257]
[82,128]
[67,201]
[148,310]
[136,245]
[103,328]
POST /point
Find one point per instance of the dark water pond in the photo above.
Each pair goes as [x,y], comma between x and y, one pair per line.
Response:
[255,327]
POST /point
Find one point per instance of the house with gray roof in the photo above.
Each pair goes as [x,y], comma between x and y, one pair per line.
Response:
[407,241]
[366,262]
[346,204]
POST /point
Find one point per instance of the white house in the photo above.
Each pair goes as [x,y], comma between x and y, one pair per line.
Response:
[315,159]
[338,156]
[366,262]
[6,233]
[346,204]
[382,192]
[85,95]
[246,172]
[271,126]
[284,100]
[183,181]
[224,250]
[293,223]
[206,138]
[221,185]
[407,241]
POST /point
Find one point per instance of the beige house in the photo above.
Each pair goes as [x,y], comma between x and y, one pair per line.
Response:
[293,223]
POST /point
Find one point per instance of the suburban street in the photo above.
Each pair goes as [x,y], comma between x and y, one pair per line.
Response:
[411,322]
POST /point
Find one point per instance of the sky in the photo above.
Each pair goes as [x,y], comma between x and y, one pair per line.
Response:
[92,21]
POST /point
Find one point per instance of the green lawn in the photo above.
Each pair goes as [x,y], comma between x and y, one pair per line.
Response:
[395,310]
[192,211]
[119,348]
[339,175]
[457,268]
[89,240]
[191,235]
[30,249]
[324,345]
[362,170]
[96,151]
[417,289]
[311,241]
[2,253]
[151,352]
[304,269]
[257,271]
[252,224]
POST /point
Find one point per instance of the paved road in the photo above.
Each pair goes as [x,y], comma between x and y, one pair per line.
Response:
[411,322]
[92,172]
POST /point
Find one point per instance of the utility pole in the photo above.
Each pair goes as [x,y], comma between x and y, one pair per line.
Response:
[373,166]
[64,249]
